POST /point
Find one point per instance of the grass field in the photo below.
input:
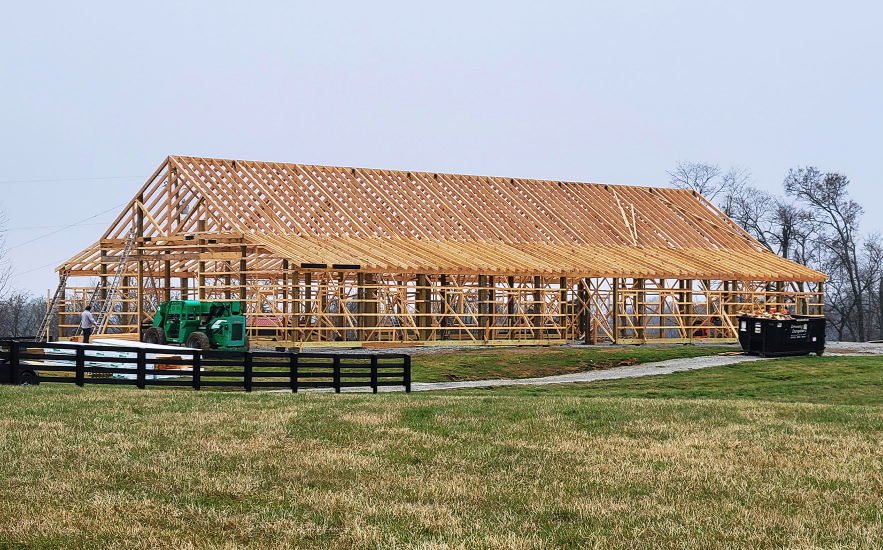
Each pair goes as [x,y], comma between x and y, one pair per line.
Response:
[779,454]
[489,364]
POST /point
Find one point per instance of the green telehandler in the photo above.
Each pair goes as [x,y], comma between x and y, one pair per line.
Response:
[200,325]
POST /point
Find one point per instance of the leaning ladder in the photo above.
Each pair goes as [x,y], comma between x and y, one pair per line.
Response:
[42,335]
[106,307]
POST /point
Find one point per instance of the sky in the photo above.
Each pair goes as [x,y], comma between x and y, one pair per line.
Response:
[94,95]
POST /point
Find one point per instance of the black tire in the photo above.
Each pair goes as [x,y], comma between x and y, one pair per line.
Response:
[199,340]
[246,344]
[819,353]
[154,335]
[28,378]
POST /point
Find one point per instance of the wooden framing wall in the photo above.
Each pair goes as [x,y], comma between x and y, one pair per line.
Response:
[336,256]
[304,308]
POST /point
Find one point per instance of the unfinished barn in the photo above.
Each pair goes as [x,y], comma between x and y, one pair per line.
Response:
[332,256]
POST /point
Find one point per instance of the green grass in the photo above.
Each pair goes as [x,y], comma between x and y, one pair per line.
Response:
[824,380]
[789,459]
[485,364]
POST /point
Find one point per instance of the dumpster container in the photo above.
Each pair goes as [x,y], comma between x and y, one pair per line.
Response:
[779,337]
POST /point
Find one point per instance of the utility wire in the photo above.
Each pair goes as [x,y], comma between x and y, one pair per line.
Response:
[56,262]
[4,229]
[73,179]
[67,226]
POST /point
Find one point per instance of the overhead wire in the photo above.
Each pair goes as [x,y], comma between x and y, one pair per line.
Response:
[67,226]
[56,262]
[3,230]
[72,179]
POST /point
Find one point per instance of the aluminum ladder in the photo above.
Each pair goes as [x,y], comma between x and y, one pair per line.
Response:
[104,311]
[52,308]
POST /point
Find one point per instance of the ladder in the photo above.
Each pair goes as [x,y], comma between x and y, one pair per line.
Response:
[104,311]
[51,308]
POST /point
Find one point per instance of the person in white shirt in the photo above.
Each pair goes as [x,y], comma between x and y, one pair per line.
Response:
[88,323]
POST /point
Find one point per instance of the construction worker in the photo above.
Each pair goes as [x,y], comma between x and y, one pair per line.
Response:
[88,323]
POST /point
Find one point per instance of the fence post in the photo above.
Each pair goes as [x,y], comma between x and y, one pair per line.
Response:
[373,373]
[407,374]
[14,362]
[336,373]
[248,371]
[292,370]
[197,365]
[80,368]
[142,369]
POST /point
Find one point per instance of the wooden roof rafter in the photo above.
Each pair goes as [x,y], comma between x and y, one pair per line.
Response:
[398,221]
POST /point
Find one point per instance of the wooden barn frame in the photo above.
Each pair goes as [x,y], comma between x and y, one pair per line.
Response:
[327,256]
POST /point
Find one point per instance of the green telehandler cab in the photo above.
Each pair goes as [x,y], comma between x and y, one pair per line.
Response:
[200,325]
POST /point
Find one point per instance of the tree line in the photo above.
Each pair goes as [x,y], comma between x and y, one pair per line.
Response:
[813,222]
[20,311]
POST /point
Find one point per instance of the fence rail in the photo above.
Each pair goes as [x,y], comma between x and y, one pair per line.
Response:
[80,364]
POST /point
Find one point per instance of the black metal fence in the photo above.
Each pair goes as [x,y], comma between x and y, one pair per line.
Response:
[80,364]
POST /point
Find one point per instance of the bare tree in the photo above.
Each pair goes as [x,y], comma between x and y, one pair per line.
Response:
[5,265]
[21,314]
[734,183]
[751,210]
[697,176]
[839,216]
[815,224]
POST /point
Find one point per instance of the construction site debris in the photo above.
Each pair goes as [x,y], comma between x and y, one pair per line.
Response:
[764,314]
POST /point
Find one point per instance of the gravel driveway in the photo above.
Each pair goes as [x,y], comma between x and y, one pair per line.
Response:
[645,369]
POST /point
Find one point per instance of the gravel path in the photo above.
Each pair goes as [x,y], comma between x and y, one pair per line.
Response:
[645,369]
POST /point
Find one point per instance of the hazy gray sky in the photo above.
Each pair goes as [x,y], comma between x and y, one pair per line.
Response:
[613,92]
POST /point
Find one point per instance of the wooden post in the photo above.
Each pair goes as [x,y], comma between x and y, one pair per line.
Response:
[360,306]
[423,306]
[537,308]
[780,288]
[167,281]
[593,319]
[640,309]
[800,308]
[243,268]
[443,284]
[563,314]
[482,304]
[103,271]
[510,306]
[62,306]
[141,369]
[341,322]
[297,307]
[125,297]
[285,306]
[185,292]
[200,227]
[688,306]
[615,310]
[139,304]
[492,306]
[726,299]
[248,371]
[371,304]
[308,299]
[139,249]
[323,307]
[591,334]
